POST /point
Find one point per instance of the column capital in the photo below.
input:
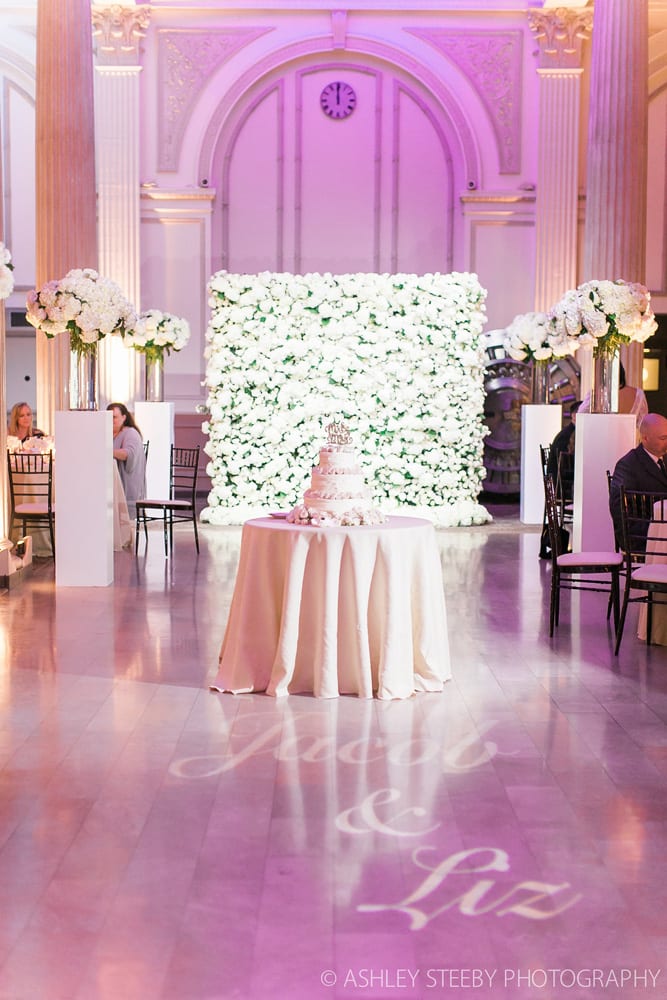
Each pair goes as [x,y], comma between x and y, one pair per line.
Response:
[560,33]
[117,31]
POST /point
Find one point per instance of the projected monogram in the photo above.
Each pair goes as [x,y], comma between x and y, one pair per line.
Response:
[456,881]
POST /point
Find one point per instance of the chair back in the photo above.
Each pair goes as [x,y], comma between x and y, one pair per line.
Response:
[184,470]
[644,524]
[146,447]
[557,534]
[30,478]
[544,458]
[565,478]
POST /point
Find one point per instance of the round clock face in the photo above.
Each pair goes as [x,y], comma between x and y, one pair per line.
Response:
[338,100]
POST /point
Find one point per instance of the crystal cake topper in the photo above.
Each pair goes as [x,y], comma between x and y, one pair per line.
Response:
[337,433]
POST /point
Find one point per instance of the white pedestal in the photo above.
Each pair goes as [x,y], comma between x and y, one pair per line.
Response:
[156,423]
[539,425]
[84,498]
[602,438]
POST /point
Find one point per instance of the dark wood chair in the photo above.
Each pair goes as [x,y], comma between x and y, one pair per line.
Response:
[644,545]
[569,570]
[179,505]
[31,491]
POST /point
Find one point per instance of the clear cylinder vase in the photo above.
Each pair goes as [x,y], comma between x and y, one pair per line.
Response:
[83,378]
[604,394]
[540,382]
[154,380]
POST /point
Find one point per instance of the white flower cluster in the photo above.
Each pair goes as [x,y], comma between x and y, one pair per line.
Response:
[88,306]
[604,315]
[400,357]
[530,337]
[157,333]
[6,276]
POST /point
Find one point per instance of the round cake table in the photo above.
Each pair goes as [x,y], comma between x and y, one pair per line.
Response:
[336,610]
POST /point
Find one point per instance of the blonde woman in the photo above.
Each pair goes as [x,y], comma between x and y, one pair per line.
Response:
[20,423]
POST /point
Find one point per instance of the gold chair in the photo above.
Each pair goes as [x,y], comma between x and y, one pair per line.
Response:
[31,491]
[644,544]
[180,505]
[568,567]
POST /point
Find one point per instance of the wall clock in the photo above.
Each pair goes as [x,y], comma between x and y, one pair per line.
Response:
[338,100]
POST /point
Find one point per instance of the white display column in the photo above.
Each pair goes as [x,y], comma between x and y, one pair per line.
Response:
[560,34]
[539,426]
[156,422]
[117,32]
[602,438]
[84,498]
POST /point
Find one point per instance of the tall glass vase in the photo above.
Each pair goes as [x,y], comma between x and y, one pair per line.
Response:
[154,380]
[540,382]
[604,394]
[83,378]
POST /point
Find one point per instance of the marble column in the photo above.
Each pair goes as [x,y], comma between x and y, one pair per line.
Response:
[615,230]
[117,32]
[66,228]
[560,34]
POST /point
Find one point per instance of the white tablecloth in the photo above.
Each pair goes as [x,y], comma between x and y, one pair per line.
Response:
[337,611]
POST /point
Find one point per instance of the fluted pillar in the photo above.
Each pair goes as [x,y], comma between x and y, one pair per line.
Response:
[66,230]
[560,34]
[615,231]
[117,32]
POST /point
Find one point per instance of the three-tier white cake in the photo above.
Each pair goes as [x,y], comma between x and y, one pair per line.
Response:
[338,493]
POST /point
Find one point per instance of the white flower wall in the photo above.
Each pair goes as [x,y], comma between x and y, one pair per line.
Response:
[399,358]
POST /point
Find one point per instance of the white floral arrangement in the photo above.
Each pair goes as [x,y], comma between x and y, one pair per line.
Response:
[399,357]
[84,304]
[6,276]
[531,337]
[158,333]
[604,315]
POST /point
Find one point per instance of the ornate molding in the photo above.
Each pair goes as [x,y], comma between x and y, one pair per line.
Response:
[491,60]
[186,60]
[117,32]
[561,33]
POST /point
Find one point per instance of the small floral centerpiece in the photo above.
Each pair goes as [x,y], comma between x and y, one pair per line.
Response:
[530,338]
[6,268]
[84,304]
[604,315]
[89,308]
[158,333]
[155,334]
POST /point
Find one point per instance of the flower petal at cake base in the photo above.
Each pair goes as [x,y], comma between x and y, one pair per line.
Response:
[338,495]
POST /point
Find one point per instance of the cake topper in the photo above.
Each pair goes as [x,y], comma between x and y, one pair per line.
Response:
[337,433]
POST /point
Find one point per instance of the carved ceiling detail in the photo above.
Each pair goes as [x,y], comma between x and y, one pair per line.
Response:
[491,61]
[117,32]
[187,59]
[561,33]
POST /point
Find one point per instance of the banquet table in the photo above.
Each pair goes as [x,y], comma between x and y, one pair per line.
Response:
[336,610]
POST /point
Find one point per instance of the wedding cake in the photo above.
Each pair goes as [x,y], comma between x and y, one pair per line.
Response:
[338,493]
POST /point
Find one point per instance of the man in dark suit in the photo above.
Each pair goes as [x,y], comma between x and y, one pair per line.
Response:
[642,468]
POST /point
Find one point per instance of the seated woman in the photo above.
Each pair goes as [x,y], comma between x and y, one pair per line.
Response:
[128,450]
[20,423]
